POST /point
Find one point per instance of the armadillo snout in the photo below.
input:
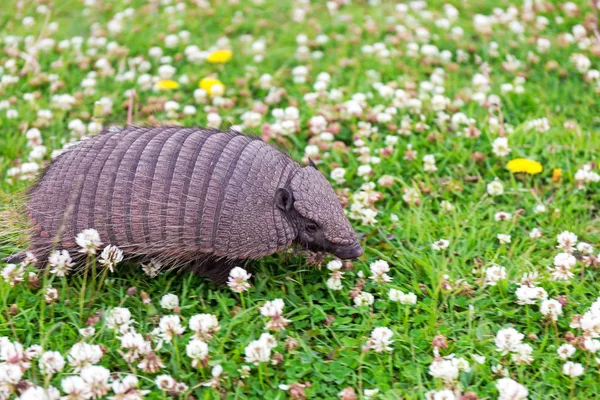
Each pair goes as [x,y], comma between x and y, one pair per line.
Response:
[353,250]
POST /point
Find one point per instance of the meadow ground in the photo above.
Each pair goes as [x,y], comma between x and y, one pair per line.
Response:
[479,278]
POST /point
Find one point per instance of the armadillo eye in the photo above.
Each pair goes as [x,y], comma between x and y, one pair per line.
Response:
[311,228]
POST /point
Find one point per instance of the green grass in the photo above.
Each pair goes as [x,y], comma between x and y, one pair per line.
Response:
[330,330]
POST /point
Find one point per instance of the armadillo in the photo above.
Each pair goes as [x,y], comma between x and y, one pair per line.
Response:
[191,196]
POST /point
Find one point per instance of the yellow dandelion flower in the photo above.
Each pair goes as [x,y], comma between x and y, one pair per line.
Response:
[556,174]
[167,84]
[524,165]
[213,86]
[219,56]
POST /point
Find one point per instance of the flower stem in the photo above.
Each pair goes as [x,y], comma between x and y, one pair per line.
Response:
[406,312]
[260,376]
[101,283]
[243,301]
[82,291]
[177,358]
[572,388]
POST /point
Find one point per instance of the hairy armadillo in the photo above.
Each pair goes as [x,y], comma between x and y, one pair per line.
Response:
[194,196]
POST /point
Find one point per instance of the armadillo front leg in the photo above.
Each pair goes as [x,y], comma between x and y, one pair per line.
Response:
[216,269]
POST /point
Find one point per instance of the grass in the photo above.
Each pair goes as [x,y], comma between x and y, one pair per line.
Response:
[330,330]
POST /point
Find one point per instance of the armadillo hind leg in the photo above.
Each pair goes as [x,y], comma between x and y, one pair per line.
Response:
[15,258]
[216,269]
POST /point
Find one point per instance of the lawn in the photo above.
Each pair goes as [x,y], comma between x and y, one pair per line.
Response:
[461,137]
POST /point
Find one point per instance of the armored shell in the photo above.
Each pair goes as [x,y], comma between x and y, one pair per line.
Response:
[184,193]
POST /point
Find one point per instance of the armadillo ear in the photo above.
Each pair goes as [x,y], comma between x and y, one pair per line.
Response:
[283,199]
[311,163]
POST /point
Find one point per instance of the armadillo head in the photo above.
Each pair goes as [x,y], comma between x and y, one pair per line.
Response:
[311,203]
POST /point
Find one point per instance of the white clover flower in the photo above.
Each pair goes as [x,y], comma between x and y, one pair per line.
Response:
[507,340]
[75,388]
[591,345]
[96,378]
[444,369]
[189,110]
[364,299]
[238,280]
[529,295]
[429,163]
[39,393]
[34,351]
[509,389]
[171,107]
[395,295]
[408,299]
[364,170]
[136,344]
[446,206]
[334,284]
[83,355]
[110,257]
[440,244]
[502,216]
[197,350]
[51,362]
[272,308]
[89,241]
[504,239]
[585,175]
[522,354]
[460,363]
[565,351]
[119,318]
[335,280]
[169,301]
[585,248]
[380,340]
[337,175]
[170,326]
[551,308]
[13,353]
[479,359]
[63,101]
[10,374]
[127,388]
[566,241]
[152,269]
[166,383]
[535,233]
[370,394]
[563,264]
[51,295]
[572,369]
[94,128]
[260,350]
[251,119]
[411,196]
[590,320]
[334,265]
[495,188]
[499,370]
[13,274]
[379,271]
[444,394]
[402,298]
[205,325]
[540,125]
[494,274]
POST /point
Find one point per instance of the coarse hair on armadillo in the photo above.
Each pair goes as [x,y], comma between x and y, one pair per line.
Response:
[185,196]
